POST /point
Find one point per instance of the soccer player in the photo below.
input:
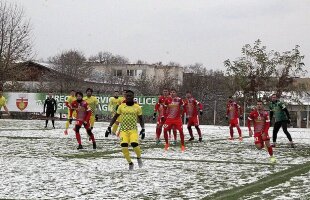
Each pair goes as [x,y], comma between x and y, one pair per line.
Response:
[233,112]
[160,108]
[130,112]
[51,106]
[191,106]
[261,126]
[83,114]
[92,102]
[122,99]
[3,103]
[174,105]
[71,113]
[114,102]
[282,118]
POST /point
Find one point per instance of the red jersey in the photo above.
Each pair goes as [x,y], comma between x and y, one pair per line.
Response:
[83,112]
[160,106]
[191,107]
[174,105]
[261,121]
[232,110]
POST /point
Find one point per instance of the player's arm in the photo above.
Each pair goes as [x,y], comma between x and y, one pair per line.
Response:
[240,111]
[6,109]
[55,105]
[141,121]
[267,123]
[200,107]
[88,114]
[250,119]
[45,103]
[110,105]
[283,107]
[227,111]
[156,108]
[113,120]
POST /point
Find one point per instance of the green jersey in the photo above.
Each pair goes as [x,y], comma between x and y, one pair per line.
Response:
[278,112]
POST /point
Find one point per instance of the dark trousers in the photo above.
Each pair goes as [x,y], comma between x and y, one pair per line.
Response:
[50,113]
[276,129]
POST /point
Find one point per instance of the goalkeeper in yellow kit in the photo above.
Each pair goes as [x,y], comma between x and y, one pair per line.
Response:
[92,102]
[71,112]
[130,112]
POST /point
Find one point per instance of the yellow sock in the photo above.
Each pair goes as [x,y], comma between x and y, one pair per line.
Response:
[125,151]
[137,151]
[67,124]
[114,128]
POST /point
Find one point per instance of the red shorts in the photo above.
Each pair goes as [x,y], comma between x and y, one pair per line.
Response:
[161,120]
[193,121]
[177,123]
[261,137]
[234,122]
[80,123]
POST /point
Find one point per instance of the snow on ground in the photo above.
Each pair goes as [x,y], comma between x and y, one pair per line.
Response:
[44,163]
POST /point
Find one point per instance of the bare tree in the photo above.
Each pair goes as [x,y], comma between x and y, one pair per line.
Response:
[107,58]
[72,67]
[15,40]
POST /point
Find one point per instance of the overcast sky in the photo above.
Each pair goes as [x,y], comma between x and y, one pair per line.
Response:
[183,31]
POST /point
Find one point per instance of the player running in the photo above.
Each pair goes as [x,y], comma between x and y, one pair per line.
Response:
[282,118]
[83,114]
[174,105]
[3,103]
[233,113]
[191,106]
[160,108]
[51,106]
[130,112]
[261,126]
[92,101]
[71,113]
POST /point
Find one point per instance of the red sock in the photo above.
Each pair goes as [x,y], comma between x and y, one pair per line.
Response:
[175,134]
[190,131]
[78,137]
[270,151]
[166,136]
[92,137]
[231,132]
[182,137]
[239,131]
[198,131]
[158,133]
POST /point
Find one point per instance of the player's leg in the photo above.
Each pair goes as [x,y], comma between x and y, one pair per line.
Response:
[91,135]
[196,124]
[275,131]
[125,139]
[266,139]
[92,121]
[53,121]
[77,134]
[237,124]
[167,127]
[231,129]
[190,131]
[48,114]
[174,130]
[288,135]
[134,142]
[159,127]
[179,126]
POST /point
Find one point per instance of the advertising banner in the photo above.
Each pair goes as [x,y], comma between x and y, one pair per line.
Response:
[34,102]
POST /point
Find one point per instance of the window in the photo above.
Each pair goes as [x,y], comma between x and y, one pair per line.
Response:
[117,72]
[131,72]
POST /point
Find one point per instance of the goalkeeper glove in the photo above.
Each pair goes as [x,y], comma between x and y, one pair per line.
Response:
[108,131]
[142,133]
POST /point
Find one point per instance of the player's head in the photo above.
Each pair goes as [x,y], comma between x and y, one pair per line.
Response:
[230,99]
[72,93]
[89,92]
[130,97]
[188,94]
[274,97]
[116,94]
[79,96]
[50,94]
[165,92]
[259,105]
[173,92]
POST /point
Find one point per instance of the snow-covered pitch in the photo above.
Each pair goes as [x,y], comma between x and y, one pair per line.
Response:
[44,163]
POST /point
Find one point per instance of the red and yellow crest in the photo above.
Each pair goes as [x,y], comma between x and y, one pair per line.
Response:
[22,103]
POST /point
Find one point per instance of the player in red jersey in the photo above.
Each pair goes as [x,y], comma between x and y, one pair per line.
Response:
[233,112]
[160,108]
[83,113]
[191,106]
[261,126]
[174,105]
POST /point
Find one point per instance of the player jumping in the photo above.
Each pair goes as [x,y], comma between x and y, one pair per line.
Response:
[233,112]
[83,113]
[261,126]
[130,112]
[174,104]
[191,110]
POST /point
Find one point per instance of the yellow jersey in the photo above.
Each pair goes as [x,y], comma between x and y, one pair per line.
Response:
[114,103]
[2,102]
[92,103]
[129,116]
[70,99]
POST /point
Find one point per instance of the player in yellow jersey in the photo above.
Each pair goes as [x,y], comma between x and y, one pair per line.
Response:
[92,101]
[119,119]
[130,112]
[114,102]
[71,112]
[3,103]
